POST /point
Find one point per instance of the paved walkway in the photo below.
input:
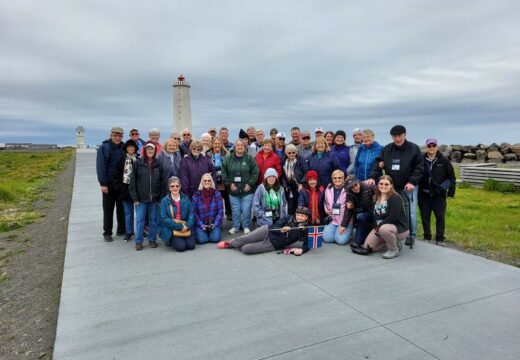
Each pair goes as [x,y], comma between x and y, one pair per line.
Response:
[430,303]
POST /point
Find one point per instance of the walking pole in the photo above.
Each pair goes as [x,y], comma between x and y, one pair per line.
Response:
[412,238]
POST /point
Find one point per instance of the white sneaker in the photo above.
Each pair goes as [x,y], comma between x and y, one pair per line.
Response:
[232,231]
[246,231]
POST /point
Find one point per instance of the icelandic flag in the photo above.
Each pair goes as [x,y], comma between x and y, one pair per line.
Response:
[315,237]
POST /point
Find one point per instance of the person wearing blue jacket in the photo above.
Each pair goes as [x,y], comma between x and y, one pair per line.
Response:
[323,161]
[109,154]
[366,156]
[341,150]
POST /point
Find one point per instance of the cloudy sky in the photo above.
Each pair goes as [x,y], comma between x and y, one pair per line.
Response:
[449,69]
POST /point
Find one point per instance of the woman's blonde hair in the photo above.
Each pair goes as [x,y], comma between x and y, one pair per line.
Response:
[201,187]
[320,139]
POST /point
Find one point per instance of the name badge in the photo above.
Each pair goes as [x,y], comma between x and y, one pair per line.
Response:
[336,209]
[268,214]
[396,164]
[237,179]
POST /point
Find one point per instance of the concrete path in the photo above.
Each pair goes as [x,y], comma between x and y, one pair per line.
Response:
[430,303]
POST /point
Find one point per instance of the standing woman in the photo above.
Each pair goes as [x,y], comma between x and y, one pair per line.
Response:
[208,210]
[329,137]
[323,161]
[193,166]
[437,182]
[267,158]
[170,162]
[269,203]
[205,140]
[341,150]
[366,155]
[121,181]
[293,176]
[177,218]
[390,221]
[239,174]
[311,196]
[216,154]
[145,191]
[334,206]
[154,135]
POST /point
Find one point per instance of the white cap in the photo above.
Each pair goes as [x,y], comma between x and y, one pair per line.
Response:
[356,131]
[281,135]
[318,129]
[149,145]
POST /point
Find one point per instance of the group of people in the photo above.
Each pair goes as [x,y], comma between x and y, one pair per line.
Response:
[181,190]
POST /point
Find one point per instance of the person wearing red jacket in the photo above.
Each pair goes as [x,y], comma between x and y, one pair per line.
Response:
[266,158]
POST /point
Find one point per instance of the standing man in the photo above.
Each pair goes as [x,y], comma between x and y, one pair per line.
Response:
[257,145]
[279,147]
[110,153]
[357,135]
[295,136]
[305,147]
[273,133]
[318,132]
[213,132]
[223,134]
[134,135]
[403,161]
[251,132]
[186,141]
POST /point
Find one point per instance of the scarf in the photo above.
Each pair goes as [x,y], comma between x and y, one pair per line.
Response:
[207,197]
[289,168]
[314,198]
[129,165]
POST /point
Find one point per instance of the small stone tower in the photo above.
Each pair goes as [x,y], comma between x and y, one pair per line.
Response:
[80,137]
[181,105]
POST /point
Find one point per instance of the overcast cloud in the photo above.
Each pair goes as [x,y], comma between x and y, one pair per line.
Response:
[449,69]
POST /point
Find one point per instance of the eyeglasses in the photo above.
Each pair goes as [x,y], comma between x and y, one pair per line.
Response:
[186,134]
[384,184]
[291,153]
[283,139]
[306,138]
[134,133]
[338,178]
[117,135]
[196,149]
[174,186]
[273,133]
[206,181]
[432,146]
[176,138]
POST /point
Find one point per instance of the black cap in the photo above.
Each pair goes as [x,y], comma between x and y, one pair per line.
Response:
[242,134]
[398,130]
[340,132]
[351,181]
[303,210]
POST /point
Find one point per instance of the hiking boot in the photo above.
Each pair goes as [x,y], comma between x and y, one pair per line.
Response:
[399,245]
[440,243]
[360,250]
[139,247]
[224,244]
[127,237]
[153,244]
[390,254]
[408,241]
[246,231]
[108,238]
[232,231]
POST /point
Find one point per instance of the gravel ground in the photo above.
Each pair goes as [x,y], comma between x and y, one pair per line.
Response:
[30,298]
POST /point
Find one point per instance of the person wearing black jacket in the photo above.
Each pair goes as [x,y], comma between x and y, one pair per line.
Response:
[284,232]
[403,161]
[437,182]
[390,221]
[108,155]
[145,191]
[359,206]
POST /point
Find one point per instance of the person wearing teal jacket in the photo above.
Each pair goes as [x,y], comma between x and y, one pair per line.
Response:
[269,203]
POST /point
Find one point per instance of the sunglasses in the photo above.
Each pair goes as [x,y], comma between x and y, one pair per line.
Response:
[306,138]
[196,149]
[175,186]
[206,181]
[338,178]
[176,138]
[291,153]
[134,133]
[281,139]
[432,146]
[186,134]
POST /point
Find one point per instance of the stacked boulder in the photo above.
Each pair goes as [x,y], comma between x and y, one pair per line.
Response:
[503,153]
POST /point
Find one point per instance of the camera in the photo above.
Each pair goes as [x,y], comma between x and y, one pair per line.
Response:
[208,225]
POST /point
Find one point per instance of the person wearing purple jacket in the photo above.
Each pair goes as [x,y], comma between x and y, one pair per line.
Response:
[208,210]
[341,150]
[323,161]
[193,166]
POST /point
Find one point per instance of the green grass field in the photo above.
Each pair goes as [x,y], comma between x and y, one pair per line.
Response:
[23,176]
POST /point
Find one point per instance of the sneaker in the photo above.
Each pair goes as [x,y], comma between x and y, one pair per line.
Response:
[399,245]
[153,244]
[390,254]
[232,231]
[440,243]
[139,247]
[108,238]
[246,231]
[224,244]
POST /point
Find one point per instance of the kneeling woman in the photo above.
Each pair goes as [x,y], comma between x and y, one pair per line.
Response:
[286,231]
[390,221]
[269,203]
[177,218]
[208,211]
[334,206]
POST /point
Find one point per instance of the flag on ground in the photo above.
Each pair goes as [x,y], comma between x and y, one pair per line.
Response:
[315,237]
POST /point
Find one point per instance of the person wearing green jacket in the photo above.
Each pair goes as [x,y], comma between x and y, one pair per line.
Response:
[239,175]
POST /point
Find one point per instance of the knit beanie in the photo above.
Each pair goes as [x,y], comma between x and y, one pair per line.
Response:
[270,172]
[311,174]
[340,132]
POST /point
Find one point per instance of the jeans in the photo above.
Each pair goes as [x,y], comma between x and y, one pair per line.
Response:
[129,217]
[331,234]
[412,198]
[140,214]
[203,237]
[182,244]
[364,223]
[241,210]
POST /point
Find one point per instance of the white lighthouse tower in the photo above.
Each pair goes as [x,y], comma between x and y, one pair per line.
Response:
[181,105]
[80,137]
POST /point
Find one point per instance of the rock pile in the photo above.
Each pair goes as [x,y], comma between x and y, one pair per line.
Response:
[482,153]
